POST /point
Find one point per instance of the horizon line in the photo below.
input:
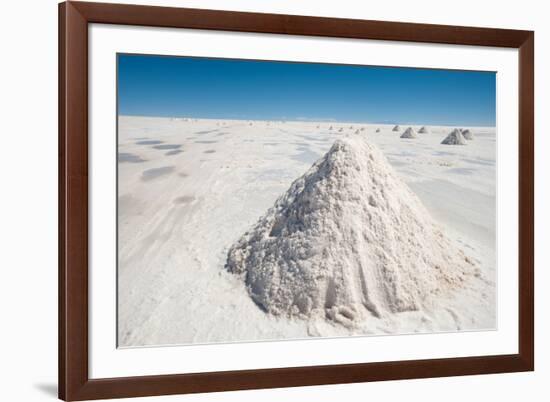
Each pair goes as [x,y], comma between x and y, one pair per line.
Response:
[307,120]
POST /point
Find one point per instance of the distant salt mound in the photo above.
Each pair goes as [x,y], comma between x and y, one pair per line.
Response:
[347,240]
[467,134]
[409,133]
[423,130]
[454,138]
[377,130]
[396,128]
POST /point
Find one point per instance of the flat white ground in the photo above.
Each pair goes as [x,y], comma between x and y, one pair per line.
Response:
[188,189]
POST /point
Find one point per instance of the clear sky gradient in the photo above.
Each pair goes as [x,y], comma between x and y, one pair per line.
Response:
[260,90]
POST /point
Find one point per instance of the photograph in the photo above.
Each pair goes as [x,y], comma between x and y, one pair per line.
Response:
[262,200]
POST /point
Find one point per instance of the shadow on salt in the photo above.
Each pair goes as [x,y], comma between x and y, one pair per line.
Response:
[443,153]
[206,132]
[129,157]
[184,199]
[154,173]
[167,146]
[462,171]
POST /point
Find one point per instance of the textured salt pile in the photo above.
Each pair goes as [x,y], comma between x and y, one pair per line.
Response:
[348,240]
[467,134]
[423,130]
[454,138]
[409,133]
[396,128]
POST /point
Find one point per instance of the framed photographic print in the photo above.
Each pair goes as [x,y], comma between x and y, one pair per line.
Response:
[259,200]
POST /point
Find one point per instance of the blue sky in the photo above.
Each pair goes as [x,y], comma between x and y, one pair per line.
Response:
[262,90]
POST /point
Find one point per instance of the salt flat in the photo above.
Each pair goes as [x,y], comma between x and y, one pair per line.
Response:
[188,189]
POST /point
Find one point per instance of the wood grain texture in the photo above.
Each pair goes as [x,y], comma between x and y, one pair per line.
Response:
[73,202]
[74,382]
[298,25]
[526,235]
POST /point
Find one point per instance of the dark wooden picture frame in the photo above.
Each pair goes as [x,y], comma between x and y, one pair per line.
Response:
[74,381]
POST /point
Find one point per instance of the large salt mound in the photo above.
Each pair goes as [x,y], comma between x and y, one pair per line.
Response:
[409,133]
[454,138]
[347,240]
